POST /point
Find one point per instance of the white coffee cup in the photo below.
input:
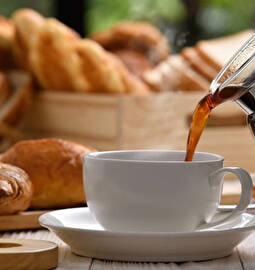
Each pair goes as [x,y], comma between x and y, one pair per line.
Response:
[148,190]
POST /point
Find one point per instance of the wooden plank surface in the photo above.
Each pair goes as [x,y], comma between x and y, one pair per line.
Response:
[229,263]
[21,221]
[67,260]
[246,251]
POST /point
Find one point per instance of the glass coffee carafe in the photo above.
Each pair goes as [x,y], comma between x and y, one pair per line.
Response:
[236,81]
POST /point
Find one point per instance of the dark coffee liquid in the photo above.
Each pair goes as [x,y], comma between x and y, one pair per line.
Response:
[202,112]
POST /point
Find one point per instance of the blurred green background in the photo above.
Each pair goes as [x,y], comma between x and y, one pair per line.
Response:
[183,21]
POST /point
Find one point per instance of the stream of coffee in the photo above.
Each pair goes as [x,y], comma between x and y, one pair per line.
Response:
[202,112]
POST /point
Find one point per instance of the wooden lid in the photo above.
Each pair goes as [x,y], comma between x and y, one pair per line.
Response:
[17,254]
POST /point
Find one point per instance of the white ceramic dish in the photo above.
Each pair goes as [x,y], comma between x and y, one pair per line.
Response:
[86,237]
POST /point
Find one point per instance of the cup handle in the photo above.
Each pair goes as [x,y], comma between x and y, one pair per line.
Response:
[246,193]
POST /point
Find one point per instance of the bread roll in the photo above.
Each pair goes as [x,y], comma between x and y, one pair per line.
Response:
[15,190]
[55,170]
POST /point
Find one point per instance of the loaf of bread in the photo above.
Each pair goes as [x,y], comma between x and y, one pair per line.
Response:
[139,36]
[139,45]
[199,64]
[54,167]
[175,73]
[15,190]
[217,52]
[61,60]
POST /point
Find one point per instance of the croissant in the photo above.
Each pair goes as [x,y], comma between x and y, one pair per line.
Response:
[27,23]
[15,189]
[104,72]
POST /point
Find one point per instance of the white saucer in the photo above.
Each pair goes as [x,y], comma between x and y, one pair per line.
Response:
[77,228]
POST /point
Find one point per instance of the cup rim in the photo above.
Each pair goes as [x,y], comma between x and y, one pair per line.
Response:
[98,156]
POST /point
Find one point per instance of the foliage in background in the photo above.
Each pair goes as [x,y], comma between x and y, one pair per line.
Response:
[184,22]
[221,17]
[104,13]
[45,7]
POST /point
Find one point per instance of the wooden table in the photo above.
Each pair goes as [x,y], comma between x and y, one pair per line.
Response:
[242,258]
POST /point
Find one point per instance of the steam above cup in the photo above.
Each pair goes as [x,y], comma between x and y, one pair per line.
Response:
[157,191]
